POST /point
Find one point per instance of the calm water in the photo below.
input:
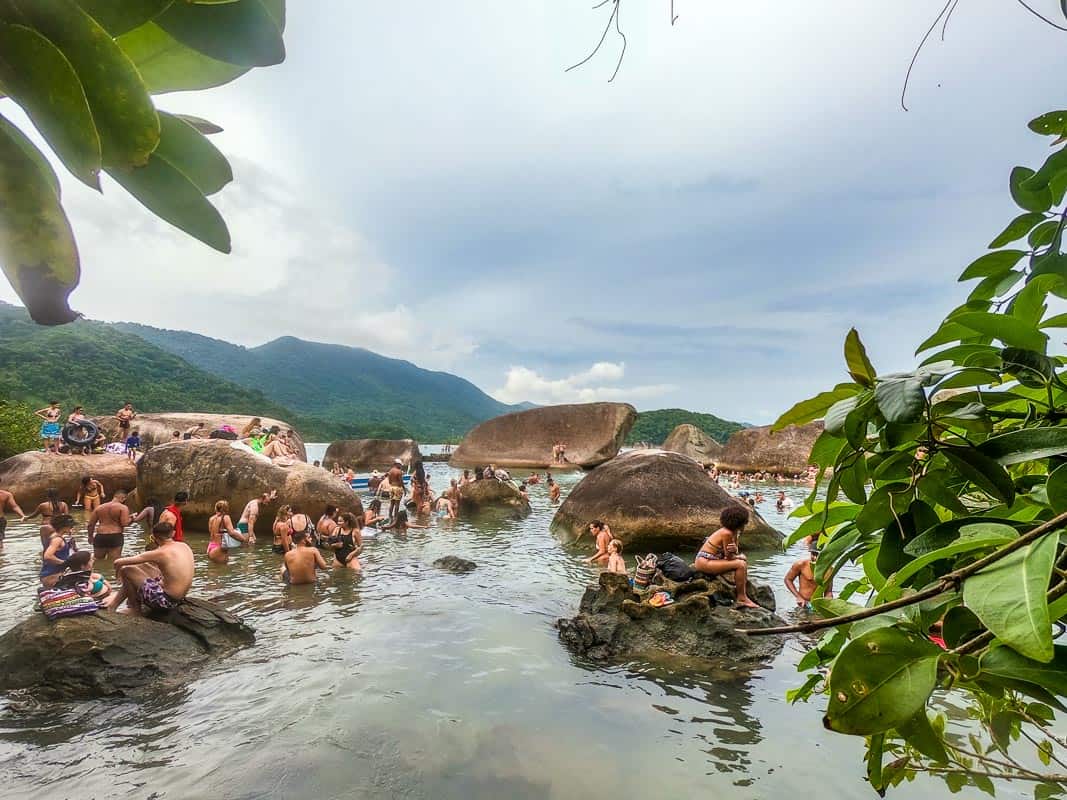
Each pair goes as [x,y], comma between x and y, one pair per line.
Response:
[407,682]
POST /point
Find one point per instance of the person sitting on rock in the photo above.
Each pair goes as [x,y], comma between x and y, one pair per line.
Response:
[157,579]
[603,538]
[302,562]
[719,553]
[616,563]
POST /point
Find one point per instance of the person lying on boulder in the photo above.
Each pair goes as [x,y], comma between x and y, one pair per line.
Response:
[157,579]
[719,553]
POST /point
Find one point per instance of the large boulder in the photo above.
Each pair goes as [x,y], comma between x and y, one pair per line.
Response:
[366,454]
[108,654]
[615,622]
[652,497]
[159,428]
[593,433]
[491,493]
[212,470]
[29,475]
[763,450]
[689,440]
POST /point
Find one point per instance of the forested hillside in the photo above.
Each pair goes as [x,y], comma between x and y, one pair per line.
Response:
[654,426]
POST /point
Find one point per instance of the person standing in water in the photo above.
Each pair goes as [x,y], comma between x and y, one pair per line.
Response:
[803,572]
[302,562]
[327,525]
[283,542]
[603,538]
[91,493]
[46,510]
[50,431]
[247,523]
[8,503]
[553,490]
[220,527]
[172,515]
[395,476]
[348,543]
[719,554]
[157,579]
[107,527]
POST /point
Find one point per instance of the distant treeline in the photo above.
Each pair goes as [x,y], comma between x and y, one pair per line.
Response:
[654,426]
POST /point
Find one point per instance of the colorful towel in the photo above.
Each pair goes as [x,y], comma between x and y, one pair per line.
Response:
[56,603]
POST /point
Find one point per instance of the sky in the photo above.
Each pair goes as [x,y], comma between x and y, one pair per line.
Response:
[426,180]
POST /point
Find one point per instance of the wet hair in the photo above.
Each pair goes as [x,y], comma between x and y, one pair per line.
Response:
[162,530]
[420,473]
[734,517]
[295,509]
[299,536]
[617,544]
[349,519]
[402,516]
[598,524]
[222,507]
[53,498]
[375,505]
[78,561]
[330,511]
[62,522]
[86,479]
[317,464]
[181,497]
[282,512]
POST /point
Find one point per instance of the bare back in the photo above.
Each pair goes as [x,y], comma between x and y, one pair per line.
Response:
[302,563]
[175,562]
[113,517]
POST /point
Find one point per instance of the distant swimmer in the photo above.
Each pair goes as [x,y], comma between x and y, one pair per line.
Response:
[50,430]
[783,503]
[157,579]
[616,563]
[719,554]
[107,526]
[803,573]
[302,562]
[400,523]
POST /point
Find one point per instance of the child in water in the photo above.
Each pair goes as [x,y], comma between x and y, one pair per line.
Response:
[616,563]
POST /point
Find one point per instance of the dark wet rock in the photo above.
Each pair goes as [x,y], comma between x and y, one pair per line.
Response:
[616,622]
[763,450]
[455,564]
[108,654]
[652,498]
[492,493]
[366,454]
[29,475]
[689,440]
[593,433]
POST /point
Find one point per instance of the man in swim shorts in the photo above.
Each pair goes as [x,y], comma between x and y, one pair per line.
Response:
[395,476]
[157,579]
[247,523]
[7,503]
[302,561]
[50,431]
[125,416]
[107,525]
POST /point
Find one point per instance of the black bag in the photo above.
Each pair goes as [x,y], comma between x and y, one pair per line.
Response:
[221,434]
[675,568]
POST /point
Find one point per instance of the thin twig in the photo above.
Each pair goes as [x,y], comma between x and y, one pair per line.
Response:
[1051,778]
[1041,16]
[915,55]
[1037,744]
[948,16]
[614,18]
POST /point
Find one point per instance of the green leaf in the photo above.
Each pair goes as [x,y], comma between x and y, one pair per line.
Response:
[37,76]
[886,503]
[1056,489]
[206,127]
[1055,164]
[823,520]
[934,486]
[945,533]
[167,65]
[122,110]
[859,365]
[960,625]
[875,752]
[1009,597]
[881,680]
[983,472]
[967,355]
[1025,444]
[834,422]
[995,285]
[1030,368]
[993,263]
[1043,233]
[1017,229]
[920,734]
[242,32]
[901,399]
[1040,200]
[172,196]
[826,449]
[119,16]
[1009,330]
[1003,662]
[37,250]
[1054,123]
[1058,321]
[185,148]
[1029,304]
[853,480]
[950,331]
[978,536]
[815,407]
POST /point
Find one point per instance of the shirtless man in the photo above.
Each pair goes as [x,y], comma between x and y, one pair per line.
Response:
[50,432]
[157,579]
[803,572]
[397,490]
[553,491]
[247,523]
[302,561]
[107,525]
[7,503]
[603,538]
[125,416]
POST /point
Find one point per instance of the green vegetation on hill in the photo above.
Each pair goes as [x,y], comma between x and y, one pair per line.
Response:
[655,426]
[18,429]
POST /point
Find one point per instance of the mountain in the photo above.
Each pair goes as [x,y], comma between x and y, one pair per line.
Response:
[654,426]
[338,384]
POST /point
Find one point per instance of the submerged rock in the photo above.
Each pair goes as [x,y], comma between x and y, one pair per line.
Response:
[763,450]
[651,498]
[593,433]
[29,475]
[108,654]
[364,454]
[689,440]
[455,564]
[491,493]
[212,470]
[614,622]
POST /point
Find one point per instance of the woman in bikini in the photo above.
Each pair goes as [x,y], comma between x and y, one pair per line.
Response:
[301,523]
[348,543]
[90,494]
[282,541]
[60,547]
[220,526]
[420,490]
[327,525]
[50,430]
[719,554]
[46,510]
[371,517]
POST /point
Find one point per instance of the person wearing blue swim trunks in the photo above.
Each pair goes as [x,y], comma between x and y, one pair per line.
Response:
[50,429]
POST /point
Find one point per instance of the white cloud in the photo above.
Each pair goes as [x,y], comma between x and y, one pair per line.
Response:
[524,384]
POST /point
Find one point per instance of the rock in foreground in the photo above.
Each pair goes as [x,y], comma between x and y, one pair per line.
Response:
[593,433]
[689,440]
[107,654]
[212,470]
[492,493]
[763,450]
[614,623]
[29,475]
[652,498]
[455,564]
[367,454]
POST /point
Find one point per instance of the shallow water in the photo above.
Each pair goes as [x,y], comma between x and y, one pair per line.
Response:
[408,682]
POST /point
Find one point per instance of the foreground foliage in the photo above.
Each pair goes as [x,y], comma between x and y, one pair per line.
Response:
[84,71]
[947,493]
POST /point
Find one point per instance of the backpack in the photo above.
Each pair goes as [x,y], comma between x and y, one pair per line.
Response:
[646,571]
[675,568]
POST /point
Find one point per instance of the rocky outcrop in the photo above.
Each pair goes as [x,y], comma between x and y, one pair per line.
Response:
[491,493]
[593,433]
[653,498]
[368,454]
[107,654]
[158,429]
[689,440]
[212,470]
[455,564]
[762,450]
[615,622]
[29,475]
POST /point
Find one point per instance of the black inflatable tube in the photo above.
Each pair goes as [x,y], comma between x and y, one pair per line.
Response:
[80,434]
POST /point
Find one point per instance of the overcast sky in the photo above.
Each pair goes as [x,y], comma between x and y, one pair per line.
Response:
[423,179]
